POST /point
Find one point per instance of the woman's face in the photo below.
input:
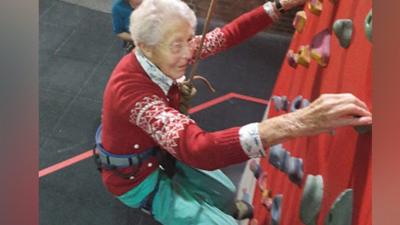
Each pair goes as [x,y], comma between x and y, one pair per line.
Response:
[173,53]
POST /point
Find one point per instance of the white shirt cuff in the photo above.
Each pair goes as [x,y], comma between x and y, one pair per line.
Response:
[271,10]
[250,140]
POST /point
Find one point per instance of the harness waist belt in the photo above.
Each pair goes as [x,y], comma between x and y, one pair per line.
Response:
[115,160]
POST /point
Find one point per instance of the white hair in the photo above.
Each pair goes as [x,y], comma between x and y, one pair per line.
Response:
[147,20]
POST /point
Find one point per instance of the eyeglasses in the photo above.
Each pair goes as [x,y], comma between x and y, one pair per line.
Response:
[179,47]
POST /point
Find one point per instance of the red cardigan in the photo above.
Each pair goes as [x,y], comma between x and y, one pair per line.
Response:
[138,115]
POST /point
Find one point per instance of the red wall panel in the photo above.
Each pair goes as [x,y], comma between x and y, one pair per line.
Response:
[343,159]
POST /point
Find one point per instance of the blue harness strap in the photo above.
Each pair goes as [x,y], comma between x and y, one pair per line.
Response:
[113,161]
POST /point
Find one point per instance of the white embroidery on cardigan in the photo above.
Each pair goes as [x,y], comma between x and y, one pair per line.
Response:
[163,123]
[214,42]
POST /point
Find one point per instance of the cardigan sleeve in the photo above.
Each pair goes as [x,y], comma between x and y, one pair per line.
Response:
[184,139]
[233,33]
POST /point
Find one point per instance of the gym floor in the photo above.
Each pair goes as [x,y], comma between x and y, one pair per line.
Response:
[77,52]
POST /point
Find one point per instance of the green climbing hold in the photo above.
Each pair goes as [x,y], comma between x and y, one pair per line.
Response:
[368,25]
[343,29]
[341,210]
[311,200]
[363,129]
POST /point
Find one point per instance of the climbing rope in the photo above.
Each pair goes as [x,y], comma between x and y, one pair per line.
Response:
[187,87]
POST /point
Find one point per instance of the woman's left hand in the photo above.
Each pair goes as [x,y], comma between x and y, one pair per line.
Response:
[288,4]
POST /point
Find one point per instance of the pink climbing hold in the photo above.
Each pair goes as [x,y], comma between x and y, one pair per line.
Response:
[300,21]
[292,58]
[262,181]
[320,47]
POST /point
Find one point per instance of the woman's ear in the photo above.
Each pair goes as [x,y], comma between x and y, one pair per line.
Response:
[147,50]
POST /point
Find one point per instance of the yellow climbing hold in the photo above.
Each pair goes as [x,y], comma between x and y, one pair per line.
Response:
[299,21]
[304,55]
[315,6]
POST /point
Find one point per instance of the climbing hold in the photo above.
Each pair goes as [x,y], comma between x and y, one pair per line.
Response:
[285,103]
[296,171]
[341,210]
[363,129]
[343,29]
[368,25]
[246,195]
[244,210]
[320,47]
[315,7]
[280,102]
[334,1]
[266,199]
[277,155]
[296,103]
[255,168]
[305,103]
[311,199]
[292,58]
[304,56]
[300,21]
[254,221]
[285,163]
[276,209]
[262,181]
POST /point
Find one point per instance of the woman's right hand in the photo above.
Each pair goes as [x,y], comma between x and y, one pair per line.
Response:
[322,115]
[330,111]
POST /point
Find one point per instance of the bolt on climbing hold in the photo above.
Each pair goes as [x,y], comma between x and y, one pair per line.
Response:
[276,210]
[341,210]
[244,210]
[315,6]
[343,29]
[253,221]
[266,199]
[292,58]
[262,181]
[363,129]
[296,103]
[368,25]
[300,21]
[277,155]
[295,170]
[280,102]
[292,166]
[320,47]
[255,168]
[311,199]
[304,56]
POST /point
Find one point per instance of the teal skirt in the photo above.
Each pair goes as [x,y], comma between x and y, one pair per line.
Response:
[191,197]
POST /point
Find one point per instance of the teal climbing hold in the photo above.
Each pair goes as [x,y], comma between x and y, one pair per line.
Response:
[311,200]
[343,29]
[341,210]
[276,210]
[368,25]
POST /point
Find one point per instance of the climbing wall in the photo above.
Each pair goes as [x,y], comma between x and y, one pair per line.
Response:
[324,179]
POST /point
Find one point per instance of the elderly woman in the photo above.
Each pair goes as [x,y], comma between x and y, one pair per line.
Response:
[140,119]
